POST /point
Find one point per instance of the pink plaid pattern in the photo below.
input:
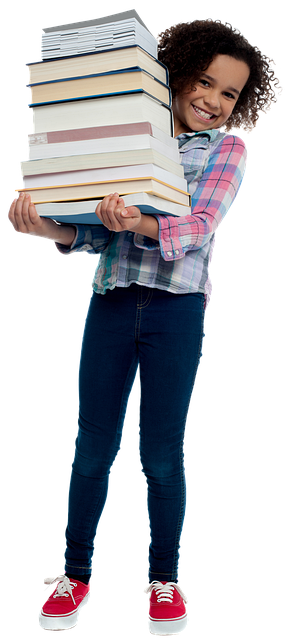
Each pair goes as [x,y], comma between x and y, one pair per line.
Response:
[214,165]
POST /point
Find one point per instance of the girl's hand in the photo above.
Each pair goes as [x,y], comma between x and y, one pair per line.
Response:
[24,219]
[115,216]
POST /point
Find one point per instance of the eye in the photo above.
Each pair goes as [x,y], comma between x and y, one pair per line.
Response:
[230,95]
[204,82]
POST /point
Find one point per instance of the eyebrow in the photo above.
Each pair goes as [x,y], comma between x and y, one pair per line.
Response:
[205,75]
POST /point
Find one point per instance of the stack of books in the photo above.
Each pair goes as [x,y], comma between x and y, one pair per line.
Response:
[102,123]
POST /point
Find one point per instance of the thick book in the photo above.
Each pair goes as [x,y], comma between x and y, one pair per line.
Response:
[106,174]
[105,145]
[101,189]
[83,212]
[98,62]
[128,108]
[81,39]
[105,84]
[101,160]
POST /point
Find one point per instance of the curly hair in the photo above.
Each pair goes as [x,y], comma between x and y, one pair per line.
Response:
[188,48]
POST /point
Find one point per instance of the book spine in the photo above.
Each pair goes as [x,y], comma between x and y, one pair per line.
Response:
[99,75]
[122,180]
[92,133]
[101,95]
[98,53]
[94,53]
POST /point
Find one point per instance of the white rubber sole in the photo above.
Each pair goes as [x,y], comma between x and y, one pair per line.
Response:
[167,627]
[65,622]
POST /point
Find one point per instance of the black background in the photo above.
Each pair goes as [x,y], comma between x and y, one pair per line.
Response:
[233,434]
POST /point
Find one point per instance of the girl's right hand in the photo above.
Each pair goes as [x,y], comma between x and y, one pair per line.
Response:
[25,219]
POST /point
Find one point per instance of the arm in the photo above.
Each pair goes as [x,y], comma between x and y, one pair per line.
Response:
[67,235]
[68,238]
[24,218]
[210,202]
[148,226]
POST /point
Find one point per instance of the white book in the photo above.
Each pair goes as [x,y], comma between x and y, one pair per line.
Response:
[103,145]
[113,34]
[119,109]
[100,161]
[101,175]
[83,212]
[93,133]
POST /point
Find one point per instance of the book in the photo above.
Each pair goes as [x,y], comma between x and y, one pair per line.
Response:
[36,140]
[128,108]
[101,189]
[115,17]
[107,84]
[104,175]
[97,62]
[137,135]
[83,212]
[98,130]
[81,38]
[101,160]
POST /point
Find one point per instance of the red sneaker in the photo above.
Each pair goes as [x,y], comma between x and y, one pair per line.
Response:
[167,613]
[61,610]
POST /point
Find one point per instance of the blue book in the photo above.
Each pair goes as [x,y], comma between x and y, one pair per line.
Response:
[111,83]
[94,62]
[83,212]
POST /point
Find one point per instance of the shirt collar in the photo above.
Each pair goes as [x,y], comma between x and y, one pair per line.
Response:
[184,139]
[209,133]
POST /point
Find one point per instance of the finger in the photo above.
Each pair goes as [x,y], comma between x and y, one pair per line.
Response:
[106,201]
[11,208]
[19,203]
[33,214]
[107,209]
[116,212]
[24,220]
[109,203]
[19,224]
[120,205]
[29,213]
[25,210]
[101,215]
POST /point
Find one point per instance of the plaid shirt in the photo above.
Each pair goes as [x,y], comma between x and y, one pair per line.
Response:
[214,165]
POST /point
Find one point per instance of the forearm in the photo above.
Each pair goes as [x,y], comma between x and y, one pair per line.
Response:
[148,226]
[62,234]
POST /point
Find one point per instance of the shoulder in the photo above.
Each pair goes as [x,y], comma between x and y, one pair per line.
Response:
[228,141]
[228,149]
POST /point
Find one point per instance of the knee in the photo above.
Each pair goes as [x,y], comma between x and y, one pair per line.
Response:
[163,470]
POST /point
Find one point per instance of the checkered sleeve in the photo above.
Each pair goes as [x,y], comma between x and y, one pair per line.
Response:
[210,202]
[90,238]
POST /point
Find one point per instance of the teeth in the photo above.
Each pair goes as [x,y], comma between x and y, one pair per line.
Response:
[203,114]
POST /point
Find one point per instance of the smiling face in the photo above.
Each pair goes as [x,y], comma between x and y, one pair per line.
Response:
[211,102]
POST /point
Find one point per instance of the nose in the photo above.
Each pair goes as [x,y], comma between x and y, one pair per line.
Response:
[212,98]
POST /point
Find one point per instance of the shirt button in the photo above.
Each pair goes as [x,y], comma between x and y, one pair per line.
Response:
[124,257]
[130,234]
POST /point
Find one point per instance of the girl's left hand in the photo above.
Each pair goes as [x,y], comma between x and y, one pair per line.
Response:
[115,216]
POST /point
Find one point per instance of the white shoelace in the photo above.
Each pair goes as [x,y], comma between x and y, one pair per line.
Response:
[164,592]
[64,587]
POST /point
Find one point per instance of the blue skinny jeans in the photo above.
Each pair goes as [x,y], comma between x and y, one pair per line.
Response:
[161,332]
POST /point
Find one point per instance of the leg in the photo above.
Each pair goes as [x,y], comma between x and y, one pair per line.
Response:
[107,370]
[169,353]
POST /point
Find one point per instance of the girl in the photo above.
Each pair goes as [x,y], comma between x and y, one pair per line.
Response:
[150,291]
